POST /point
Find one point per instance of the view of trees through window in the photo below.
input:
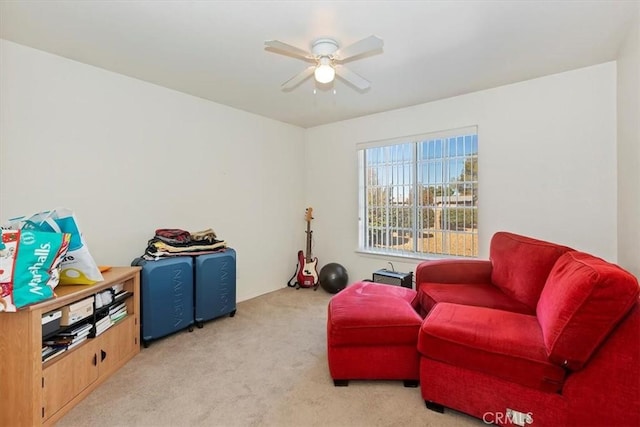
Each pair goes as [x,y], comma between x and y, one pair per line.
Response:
[421,197]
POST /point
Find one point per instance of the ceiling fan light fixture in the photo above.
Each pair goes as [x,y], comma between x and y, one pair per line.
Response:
[324,72]
[329,59]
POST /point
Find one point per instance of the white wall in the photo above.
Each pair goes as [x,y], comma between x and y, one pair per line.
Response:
[129,157]
[629,150]
[547,165]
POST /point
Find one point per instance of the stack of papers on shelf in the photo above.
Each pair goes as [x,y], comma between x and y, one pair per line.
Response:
[76,341]
[117,312]
[77,332]
[69,338]
[49,352]
[103,324]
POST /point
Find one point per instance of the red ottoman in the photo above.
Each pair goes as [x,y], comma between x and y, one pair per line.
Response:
[372,334]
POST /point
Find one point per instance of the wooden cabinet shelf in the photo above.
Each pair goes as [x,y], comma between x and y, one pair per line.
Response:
[34,393]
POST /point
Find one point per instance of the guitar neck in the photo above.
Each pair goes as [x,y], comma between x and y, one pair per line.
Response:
[308,252]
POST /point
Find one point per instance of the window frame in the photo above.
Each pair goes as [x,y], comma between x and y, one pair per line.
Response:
[414,141]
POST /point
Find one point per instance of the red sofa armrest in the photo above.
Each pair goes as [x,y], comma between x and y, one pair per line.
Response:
[453,271]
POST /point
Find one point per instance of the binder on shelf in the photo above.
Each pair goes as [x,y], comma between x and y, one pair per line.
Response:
[51,322]
[121,296]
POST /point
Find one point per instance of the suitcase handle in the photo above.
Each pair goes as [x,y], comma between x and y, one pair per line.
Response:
[103,355]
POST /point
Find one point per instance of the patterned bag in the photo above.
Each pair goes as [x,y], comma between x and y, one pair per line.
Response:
[78,267]
[29,266]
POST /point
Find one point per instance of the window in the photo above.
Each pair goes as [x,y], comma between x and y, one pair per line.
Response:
[419,196]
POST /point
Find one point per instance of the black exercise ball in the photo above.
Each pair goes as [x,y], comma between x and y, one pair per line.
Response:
[333,278]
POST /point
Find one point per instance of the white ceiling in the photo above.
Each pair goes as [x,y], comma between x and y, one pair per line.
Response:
[215,49]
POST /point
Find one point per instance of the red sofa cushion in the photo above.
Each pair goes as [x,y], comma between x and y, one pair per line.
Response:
[372,288]
[521,265]
[372,314]
[482,295]
[583,300]
[453,270]
[495,342]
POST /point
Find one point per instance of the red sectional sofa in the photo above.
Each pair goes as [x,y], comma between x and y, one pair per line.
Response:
[538,334]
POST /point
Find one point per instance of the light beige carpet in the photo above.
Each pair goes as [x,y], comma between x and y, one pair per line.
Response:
[267,366]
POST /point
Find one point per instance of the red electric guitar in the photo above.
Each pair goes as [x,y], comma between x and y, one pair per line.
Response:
[307,273]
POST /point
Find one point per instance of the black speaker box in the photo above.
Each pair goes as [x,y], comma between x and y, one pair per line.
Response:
[394,278]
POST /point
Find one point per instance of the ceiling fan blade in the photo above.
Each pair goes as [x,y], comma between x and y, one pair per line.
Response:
[288,49]
[369,44]
[352,78]
[298,78]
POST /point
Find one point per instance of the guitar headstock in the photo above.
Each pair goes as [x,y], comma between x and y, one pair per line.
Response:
[308,214]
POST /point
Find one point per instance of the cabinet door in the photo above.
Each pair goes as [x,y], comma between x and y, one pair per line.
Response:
[71,374]
[116,344]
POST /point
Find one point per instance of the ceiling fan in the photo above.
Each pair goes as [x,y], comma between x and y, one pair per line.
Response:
[327,58]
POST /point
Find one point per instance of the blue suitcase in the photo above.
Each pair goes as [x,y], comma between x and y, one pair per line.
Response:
[215,285]
[166,291]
